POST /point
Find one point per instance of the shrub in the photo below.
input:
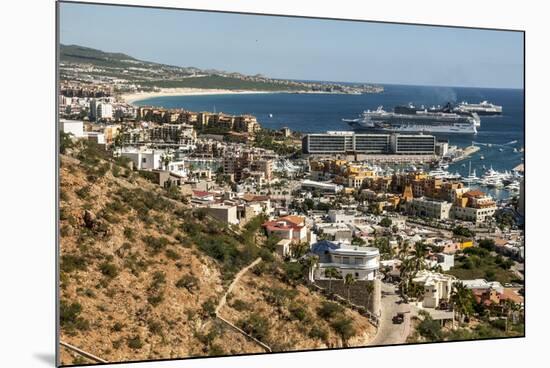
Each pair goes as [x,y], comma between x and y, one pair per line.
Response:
[155,244]
[255,325]
[109,270]
[279,296]
[318,332]
[298,312]
[129,233]
[69,316]
[329,310]
[155,327]
[209,308]
[240,305]
[71,262]
[84,192]
[462,231]
[188,282]
[135,343]
[343,326]
[159,278]
[430,329]
[488,244]
[155,299]
[385,222]
[216,350]
[172,254]
[117,327]
[294,272]
[135,265]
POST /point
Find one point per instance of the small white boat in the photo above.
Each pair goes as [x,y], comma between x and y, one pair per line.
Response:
[270,115]
[482,157]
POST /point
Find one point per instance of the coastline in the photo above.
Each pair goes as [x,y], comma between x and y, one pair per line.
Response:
[132,98]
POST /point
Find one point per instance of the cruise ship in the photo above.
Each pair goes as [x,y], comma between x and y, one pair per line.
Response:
[414,121]
[448,108]
[482,108]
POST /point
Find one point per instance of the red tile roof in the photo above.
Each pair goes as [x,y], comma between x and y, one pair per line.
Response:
[199,193]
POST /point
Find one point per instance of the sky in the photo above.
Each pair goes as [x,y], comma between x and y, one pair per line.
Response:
[299,48]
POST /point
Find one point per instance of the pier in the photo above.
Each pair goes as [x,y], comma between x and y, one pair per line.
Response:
[463,153]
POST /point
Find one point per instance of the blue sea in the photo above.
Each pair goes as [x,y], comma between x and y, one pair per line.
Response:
[497,137]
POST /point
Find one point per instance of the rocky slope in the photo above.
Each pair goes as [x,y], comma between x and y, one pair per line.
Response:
[141,274]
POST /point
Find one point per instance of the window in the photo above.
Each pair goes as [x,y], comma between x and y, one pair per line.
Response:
[143,160]
[345,260]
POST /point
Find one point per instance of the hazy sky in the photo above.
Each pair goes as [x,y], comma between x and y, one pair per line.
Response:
[296,48]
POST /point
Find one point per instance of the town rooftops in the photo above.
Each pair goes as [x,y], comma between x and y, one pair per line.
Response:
[286,222]
[482,284]
[248,197]
[476,193]
[429,278]
[296,220]
[324,247]
[201,194]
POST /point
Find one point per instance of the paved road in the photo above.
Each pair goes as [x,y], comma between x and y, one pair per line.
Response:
[388,332]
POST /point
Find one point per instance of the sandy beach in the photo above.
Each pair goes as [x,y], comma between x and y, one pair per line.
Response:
[131,98]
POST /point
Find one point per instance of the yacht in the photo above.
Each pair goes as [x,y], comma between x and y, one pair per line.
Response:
[439,173]
[482,108]
[513,187]
[494,179]
[471,178]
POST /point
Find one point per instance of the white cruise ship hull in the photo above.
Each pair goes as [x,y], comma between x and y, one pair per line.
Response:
[416,128]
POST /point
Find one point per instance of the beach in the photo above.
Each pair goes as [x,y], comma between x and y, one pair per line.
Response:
[165,92]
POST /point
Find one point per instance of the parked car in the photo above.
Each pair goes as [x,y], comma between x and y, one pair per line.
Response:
[398,318]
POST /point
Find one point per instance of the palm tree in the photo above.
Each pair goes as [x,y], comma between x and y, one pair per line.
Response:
[369,286]
[300,249]
[509,309]
[462,300]
[166,159]
[348,281]
[310,262]
[331,272]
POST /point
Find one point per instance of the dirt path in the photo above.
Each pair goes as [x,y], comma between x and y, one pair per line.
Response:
[223,301]
[238,276]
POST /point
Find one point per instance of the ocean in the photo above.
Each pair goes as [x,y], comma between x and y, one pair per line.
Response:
[497,137]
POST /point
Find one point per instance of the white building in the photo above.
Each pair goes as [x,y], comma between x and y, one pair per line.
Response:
[145,159]
[324,187]
[224,213]
[443,260]
[474,214]
[64,100]
[341,217]
[74,127]
[433,208]
[96,137]
[178,168]
[361,262]
[100,110]
[482,284]
[437,287]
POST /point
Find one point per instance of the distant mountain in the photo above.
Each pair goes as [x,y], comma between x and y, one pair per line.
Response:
[110,66]
[87,55]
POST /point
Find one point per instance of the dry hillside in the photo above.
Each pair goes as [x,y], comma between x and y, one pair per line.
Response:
[141,274]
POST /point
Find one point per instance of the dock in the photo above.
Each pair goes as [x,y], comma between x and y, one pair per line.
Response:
[463,153]
[520,168]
